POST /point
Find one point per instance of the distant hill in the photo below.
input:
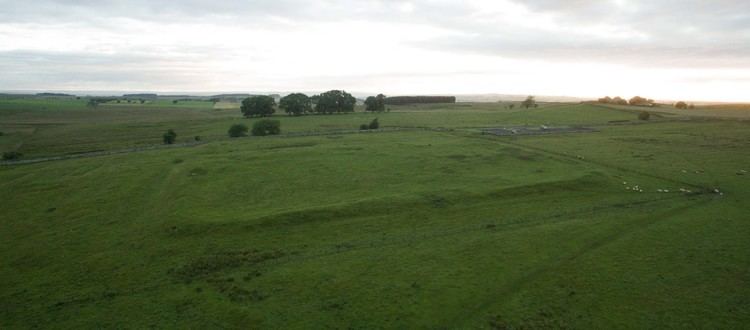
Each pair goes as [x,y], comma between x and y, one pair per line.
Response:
[516,98]
[55,94]
[142,96]
[222,96]
[396,100]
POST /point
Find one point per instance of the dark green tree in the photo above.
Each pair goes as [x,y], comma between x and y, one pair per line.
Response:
[374,124]
[266,127]
[375,103]
[237,130]
[258,106]
[296,104]
[335,101]
[529,102]
[681,105]
[169,137]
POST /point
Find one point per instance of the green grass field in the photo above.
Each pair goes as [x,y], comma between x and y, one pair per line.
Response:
[426,223]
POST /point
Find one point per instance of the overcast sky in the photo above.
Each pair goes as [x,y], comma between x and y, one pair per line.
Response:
[664,49]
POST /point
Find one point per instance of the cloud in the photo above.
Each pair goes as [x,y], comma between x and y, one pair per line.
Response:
[315,44]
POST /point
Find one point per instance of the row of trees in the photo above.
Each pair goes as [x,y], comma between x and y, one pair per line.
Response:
[635,100]
[616,100]
[297,104]
[401,100]
[682,105]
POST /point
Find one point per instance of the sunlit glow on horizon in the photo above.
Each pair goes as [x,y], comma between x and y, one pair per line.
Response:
[354,53]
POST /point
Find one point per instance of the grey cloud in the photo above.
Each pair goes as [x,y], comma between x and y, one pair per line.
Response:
[32,69]
[678,33]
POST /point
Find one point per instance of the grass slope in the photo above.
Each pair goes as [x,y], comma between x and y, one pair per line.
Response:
[397,229]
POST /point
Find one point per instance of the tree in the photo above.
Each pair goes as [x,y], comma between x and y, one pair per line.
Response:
[266,127]
[529,102]
[296,104]
[175,101]
[169,137]
[605,100]
[364,127]
[644,115]
[374,124]
[681,105]
[12,155]
[258,106]
[691,106]
[619,101]
[511,106]
[640,101]
[335,101]
[237,130]
[375,103]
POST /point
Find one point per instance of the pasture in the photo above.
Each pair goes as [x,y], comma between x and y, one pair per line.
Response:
[428,222]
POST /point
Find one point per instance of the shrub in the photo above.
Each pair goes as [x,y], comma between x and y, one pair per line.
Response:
[266,127]
[374,124]
[1,133]
[169,137]
[197,138]
[644,115]
[237,130]
[681,105]
[364,127]
[12,155]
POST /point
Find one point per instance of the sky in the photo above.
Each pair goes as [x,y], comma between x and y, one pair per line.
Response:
[662,49]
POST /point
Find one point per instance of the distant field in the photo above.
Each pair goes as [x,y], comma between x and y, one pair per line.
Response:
[732,111]
[427,223]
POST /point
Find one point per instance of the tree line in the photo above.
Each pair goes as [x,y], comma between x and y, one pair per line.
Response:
[401,100]
[641,101]
[297,104]
[635,100]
